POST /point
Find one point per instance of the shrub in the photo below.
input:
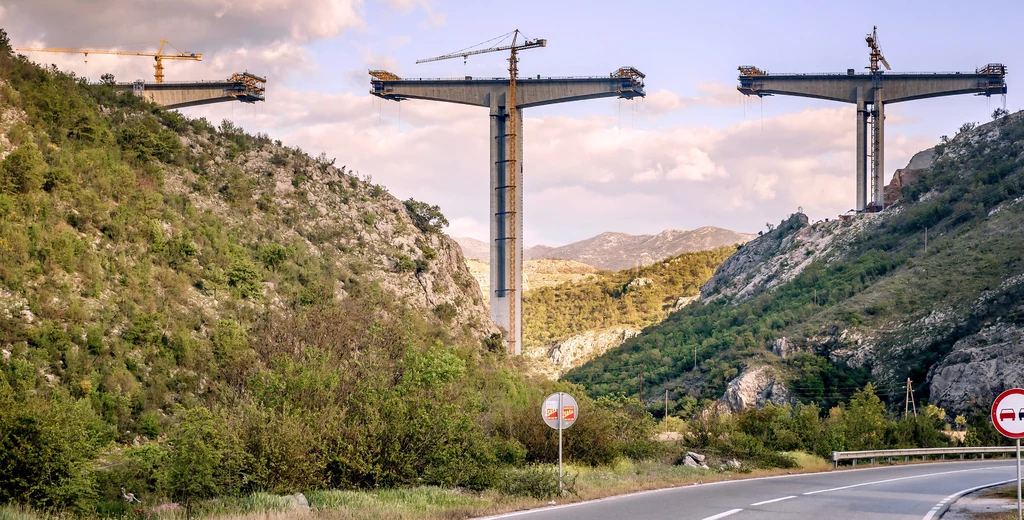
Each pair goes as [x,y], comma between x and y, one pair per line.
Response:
[427,218]
[539,482]
[23,169]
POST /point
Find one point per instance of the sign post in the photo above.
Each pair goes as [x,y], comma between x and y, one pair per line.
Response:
[1008,418]
[560,411]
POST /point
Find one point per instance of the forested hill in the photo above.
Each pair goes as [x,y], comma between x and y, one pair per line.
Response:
[931,289]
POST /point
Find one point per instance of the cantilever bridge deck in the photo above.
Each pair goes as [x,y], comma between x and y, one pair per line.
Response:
[243,87]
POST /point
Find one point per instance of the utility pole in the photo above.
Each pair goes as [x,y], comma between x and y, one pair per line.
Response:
[909,400]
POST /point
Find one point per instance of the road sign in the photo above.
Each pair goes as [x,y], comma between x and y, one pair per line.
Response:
[1008,418]
[559,411]
[560,403]
[1008,413]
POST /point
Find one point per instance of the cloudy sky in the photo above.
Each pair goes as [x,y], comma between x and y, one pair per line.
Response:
[693,153]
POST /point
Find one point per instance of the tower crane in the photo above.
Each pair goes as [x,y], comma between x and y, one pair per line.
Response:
[513,129]
[158,56]
[876,52]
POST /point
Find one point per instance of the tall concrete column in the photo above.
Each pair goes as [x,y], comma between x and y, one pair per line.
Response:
[862,150]
[879,173]
[506,225]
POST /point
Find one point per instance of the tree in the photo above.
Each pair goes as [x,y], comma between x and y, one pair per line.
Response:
[960,422]
[1000,113]
[865,421]
[195,458]
[426,217]
[23,169]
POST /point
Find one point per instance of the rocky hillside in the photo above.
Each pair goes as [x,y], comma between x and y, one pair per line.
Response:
[128,232]
[571,323]
[929,289]
[616,251]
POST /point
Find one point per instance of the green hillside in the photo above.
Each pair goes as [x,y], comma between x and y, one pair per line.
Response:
[634,297]
[190,312]
[877,301]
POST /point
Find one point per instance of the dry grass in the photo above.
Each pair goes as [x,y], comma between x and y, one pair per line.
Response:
[430,503]
[433,503]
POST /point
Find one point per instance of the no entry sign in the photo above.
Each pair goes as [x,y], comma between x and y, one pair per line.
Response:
[1008,413]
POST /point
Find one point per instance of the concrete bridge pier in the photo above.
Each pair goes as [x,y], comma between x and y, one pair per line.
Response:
[506,222]
[862,149]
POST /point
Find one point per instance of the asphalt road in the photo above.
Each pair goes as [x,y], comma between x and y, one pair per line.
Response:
[913,492]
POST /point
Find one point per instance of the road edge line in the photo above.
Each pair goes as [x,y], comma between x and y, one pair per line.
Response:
[943,506]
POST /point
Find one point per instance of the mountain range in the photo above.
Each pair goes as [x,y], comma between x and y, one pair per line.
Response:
[617,251]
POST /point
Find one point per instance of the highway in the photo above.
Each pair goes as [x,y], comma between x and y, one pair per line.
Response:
[912,492]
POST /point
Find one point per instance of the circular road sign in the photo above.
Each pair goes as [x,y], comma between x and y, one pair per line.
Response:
[1008,413]
[560,405]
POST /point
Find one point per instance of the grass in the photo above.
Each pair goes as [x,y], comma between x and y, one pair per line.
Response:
[434,503]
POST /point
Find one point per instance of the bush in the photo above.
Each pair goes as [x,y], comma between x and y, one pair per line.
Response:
[539,482]
[428,218]
[23,169]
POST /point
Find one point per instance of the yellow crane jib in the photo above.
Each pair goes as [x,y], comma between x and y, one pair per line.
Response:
[158,56]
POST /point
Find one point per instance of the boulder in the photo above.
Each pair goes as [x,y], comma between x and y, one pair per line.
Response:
[696,457]
[733,464]
[298,501]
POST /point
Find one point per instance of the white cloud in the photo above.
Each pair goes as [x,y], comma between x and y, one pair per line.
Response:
[204,25]
[584,176]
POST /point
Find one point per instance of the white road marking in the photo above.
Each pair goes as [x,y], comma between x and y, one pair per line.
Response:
[723,515]
[773,500]
[704,485]
[935,510]
[897,479]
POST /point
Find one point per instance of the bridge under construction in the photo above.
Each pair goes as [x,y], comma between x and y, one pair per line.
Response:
[871,92]
[243,87]
[506,98]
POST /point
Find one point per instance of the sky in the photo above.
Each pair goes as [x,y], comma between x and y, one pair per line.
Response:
[693,153]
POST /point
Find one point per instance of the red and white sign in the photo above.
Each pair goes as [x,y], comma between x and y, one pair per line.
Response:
[1008,413]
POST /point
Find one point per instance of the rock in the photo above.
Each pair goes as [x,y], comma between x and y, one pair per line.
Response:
[298,501]
[6,355]
[696,456]
[733,464]
[581,348]
[690,463]
[754,388]
[637,283]
[683,301]
[782,347]
[978,368]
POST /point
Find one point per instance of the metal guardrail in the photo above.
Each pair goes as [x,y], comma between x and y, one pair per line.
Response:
[924,453]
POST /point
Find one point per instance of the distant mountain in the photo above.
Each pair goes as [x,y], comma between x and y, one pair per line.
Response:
[473,248]
[617,251]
